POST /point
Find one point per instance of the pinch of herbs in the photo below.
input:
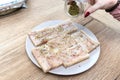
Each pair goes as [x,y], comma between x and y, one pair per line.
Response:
[73,9]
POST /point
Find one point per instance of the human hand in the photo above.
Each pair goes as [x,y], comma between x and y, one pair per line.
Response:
[116,13]
[99,4]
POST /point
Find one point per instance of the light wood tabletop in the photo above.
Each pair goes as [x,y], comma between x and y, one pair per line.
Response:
[14,62]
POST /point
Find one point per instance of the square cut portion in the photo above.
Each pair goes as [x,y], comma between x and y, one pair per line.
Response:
[47,57]
[73,55]
[86,42]
[46,34]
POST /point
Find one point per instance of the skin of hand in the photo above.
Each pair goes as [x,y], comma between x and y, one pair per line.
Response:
[116,13]
[99,4]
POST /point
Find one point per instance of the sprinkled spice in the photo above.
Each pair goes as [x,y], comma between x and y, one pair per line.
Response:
[73,9]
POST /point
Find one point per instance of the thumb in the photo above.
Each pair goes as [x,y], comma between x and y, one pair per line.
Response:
[92,9]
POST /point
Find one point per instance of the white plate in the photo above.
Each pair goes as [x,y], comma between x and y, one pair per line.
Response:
[75,69]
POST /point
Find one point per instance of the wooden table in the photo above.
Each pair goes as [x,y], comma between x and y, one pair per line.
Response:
[14,62]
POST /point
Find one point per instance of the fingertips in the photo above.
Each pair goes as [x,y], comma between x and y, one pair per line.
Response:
[116,16]
[86,14]
[115,12]
[92,9]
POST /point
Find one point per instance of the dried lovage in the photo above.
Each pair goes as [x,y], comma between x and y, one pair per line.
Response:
[73,9]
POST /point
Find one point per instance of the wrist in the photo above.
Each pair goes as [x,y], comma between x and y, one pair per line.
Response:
[115,5]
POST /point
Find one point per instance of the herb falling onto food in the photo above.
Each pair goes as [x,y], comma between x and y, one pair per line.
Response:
[73,9]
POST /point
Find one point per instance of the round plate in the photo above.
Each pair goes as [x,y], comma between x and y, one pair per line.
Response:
[72,70]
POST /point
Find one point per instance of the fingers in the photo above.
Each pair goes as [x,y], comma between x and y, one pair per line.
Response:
[116,13]
[92,2]
[118,18]
[91,9]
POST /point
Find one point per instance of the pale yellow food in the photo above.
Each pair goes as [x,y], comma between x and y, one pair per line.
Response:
[86,42]
[47,57]
[42,36]
[62,42]
[50,58]
[73,55]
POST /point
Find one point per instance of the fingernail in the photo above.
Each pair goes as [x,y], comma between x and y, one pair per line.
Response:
[87,14]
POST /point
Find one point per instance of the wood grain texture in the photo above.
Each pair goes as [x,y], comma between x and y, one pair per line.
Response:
[14,63]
